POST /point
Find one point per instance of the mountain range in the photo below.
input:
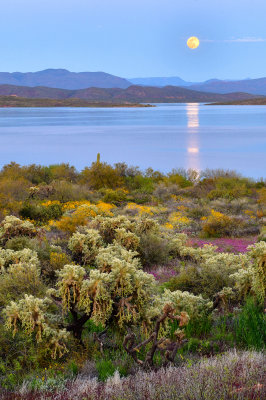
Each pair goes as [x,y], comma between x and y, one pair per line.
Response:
[253,86]
[63,79]
[132,94]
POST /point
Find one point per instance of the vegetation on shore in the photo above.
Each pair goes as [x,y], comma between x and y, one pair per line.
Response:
[259,101]
[119,283]
[14,101]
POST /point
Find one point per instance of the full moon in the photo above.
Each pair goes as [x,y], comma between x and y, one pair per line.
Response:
[193,42]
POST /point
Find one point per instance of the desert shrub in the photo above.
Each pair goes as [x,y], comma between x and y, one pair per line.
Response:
[12,226]
[233,375]
[63,172]
[140,197]
[19,243]
[188,279]
[140,183]
[262,196]
[176,178]
[70,222]
[154,249]
[82,215]
[58,260]
[85,246]
[41,214]
[105,369]
[101,175]
[230,188]
[13,189]
[114,196]
[140,210]
[197,212]
[219,225]
[64,191]
[20,278]
[250,326]
[262,236]
[18,357]
[164,191]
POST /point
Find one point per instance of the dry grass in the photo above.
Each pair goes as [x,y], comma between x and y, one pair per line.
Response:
[229,376]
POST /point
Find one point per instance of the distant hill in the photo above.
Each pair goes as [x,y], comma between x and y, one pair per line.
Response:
[253,86]
[160,81]
[132,94]
[61,78]
[64,79]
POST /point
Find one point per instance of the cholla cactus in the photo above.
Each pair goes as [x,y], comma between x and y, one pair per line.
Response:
[118,288]
[127,239]
[146,225]
[253,277]
[107,254]
[225,296]
[12,226]
[19,279]
[167,347]
[31,314]
[215,270]
[96,297]
[107,226]
[185,301]
[9,257]
[70,280]
[85,246]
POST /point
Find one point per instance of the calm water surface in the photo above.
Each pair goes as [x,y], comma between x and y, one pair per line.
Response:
[164,137]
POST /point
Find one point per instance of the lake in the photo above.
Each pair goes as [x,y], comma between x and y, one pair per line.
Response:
[163,137]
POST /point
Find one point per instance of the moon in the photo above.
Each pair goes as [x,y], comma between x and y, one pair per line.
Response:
[193,42]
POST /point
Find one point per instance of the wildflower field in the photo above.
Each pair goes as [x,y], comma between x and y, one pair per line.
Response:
[117,283]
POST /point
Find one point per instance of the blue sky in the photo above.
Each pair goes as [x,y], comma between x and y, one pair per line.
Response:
[135,38]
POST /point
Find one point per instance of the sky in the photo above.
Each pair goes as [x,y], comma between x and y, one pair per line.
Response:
[135,38]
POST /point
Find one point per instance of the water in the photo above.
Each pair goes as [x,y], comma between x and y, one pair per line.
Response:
[164,137]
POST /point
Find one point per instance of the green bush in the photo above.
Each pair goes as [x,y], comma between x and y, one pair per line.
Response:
[230,188]
[187,280]
[114,196]
[41,214]
[250,326]
[105,369]
[153,249]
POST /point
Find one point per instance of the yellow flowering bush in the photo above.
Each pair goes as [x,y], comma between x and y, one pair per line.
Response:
[218,225]
[82,214]
[140,209]
[178,219]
